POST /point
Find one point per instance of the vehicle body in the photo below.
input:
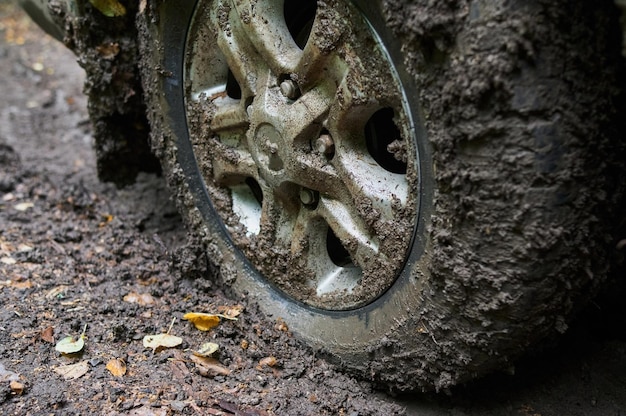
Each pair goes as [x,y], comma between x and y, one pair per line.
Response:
[466,217]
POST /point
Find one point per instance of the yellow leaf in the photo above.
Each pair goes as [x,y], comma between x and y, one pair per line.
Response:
[207,349]
[117,367]
[73,371]
[109,8]
[161,341]
[202,321]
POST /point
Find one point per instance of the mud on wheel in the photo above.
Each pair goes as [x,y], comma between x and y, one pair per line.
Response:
[402,192]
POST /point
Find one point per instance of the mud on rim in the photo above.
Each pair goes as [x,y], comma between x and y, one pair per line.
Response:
[305,141]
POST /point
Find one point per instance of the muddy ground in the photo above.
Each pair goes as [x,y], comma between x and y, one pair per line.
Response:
[76,252]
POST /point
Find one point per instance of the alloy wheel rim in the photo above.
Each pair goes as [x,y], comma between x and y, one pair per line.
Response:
[304,139]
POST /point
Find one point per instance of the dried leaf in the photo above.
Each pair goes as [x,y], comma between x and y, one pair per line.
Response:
[73,371]
[267,362]
[202,321]
[23,206]
[161,341]
[207,349]
[109,8]
[209,367]
[143,299]
[57,292]
[117,367]
[281,325]
[24,248]
[48,335]
[230,312]
[16,387]
[8,260]
[69,345]
[109,51]
[25,284]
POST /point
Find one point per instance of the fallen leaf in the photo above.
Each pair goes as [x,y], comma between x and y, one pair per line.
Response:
[202,321]
[57,292]
[108,51]
[23,206]
[209,367]
[230,312]
[69,345]
[48,335]
[26,284]
[161,341]
[147,410]
[23,248]
[8,260]
[109,8]
[107,218]
[16,387]
[143,299]
[207,349]
[117,367]
[281,325]
[73,371]
[267,362]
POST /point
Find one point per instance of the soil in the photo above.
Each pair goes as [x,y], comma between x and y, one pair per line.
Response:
[76,252]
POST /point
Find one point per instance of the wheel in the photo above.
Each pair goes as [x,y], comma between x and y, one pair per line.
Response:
[413,188]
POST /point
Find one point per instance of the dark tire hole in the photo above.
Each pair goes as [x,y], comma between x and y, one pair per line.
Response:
[336,251]
[299,16]
[380,132]
[256,189]
[233,90]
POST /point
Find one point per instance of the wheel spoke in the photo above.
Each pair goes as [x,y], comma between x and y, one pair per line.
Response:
[351,229]
[262,22]
[229,116]
[241,57]
[360,173]
[232,164]
[318,60]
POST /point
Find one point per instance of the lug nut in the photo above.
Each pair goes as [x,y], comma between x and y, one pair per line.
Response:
[289,89]
[325,144]
[307,196]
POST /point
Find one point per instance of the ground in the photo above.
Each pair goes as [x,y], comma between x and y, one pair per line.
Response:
[79,255]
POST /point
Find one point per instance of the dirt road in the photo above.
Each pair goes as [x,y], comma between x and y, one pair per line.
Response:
[77,253]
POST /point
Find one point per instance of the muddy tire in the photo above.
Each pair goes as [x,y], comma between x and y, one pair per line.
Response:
[417,188]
